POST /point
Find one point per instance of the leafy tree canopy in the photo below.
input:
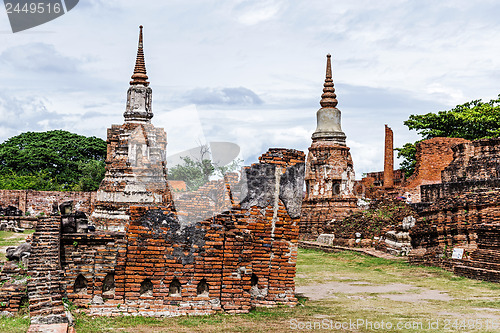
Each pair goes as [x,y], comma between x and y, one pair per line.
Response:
[196,173]
[472,121]
[68,161]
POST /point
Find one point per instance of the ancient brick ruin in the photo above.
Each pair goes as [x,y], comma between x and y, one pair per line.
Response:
[432,156]
[230,246]
[43,203]
[389,158]
[135,163]
[462,214]
[329,171]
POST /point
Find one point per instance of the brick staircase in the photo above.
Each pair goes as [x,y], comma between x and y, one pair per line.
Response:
[484,263]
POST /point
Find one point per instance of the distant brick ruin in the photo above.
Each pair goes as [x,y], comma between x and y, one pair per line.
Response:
[229,246]
[329,175]
[462,214]
[432,156]
[389,158]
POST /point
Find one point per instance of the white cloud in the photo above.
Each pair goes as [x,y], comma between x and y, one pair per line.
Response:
[390,59]
[252,12]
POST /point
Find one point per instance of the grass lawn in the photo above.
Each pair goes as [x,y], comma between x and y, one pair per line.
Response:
[341,287]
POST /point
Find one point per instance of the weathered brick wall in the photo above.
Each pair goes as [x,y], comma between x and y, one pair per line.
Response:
[477,160]
[245,257]
[320,216]
[40,202]
[94,256]
[462,212]
[45,290]
[13,198]
[11,222]
[432,157]
[484,263]
[13,287]
[207,201]
[447,224]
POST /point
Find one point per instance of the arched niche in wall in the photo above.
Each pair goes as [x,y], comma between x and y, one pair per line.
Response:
[175,288]
[202,288]
[254,280]
[255,291]
[108,285]
[146,288]
[80,285]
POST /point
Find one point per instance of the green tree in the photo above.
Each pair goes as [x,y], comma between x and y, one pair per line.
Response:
[92,173]
[196,173]
[472,121]
[59,156]
[38,181]
[193,173]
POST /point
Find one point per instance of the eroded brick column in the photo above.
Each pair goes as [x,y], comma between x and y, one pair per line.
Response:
[388,158]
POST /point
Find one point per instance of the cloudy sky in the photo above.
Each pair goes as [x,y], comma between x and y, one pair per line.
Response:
[251,71]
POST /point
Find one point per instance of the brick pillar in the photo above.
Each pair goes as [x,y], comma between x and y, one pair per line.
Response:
[388,158]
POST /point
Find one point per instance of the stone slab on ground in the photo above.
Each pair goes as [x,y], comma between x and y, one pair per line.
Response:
[52,328]
[332,248]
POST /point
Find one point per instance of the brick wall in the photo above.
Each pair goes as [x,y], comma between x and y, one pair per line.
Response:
[432,156]
[45,290]
[230,262]
[13,287]
[462,212]
[40,202]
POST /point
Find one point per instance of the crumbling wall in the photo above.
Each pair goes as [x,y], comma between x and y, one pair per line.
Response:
[432,156]
[45,290]
[13,287]
[453,213]
[39,203]
[97,261]
[163,265]
[484,262]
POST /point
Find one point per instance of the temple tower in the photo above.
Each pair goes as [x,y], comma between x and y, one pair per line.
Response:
[135,165]
[329,174]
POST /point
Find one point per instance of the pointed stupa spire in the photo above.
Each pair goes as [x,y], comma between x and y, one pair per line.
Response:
[139,95]
[328,98]
[139,76]
[328,117]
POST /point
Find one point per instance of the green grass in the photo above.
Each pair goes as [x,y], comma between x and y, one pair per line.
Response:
[17,324]
[470,298]
[9,238]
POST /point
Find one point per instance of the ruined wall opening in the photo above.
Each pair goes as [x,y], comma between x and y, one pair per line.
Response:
[80,284]
[254,280]
[175,288]
[335,188]
[108,285]
[146,288]
[202,289]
